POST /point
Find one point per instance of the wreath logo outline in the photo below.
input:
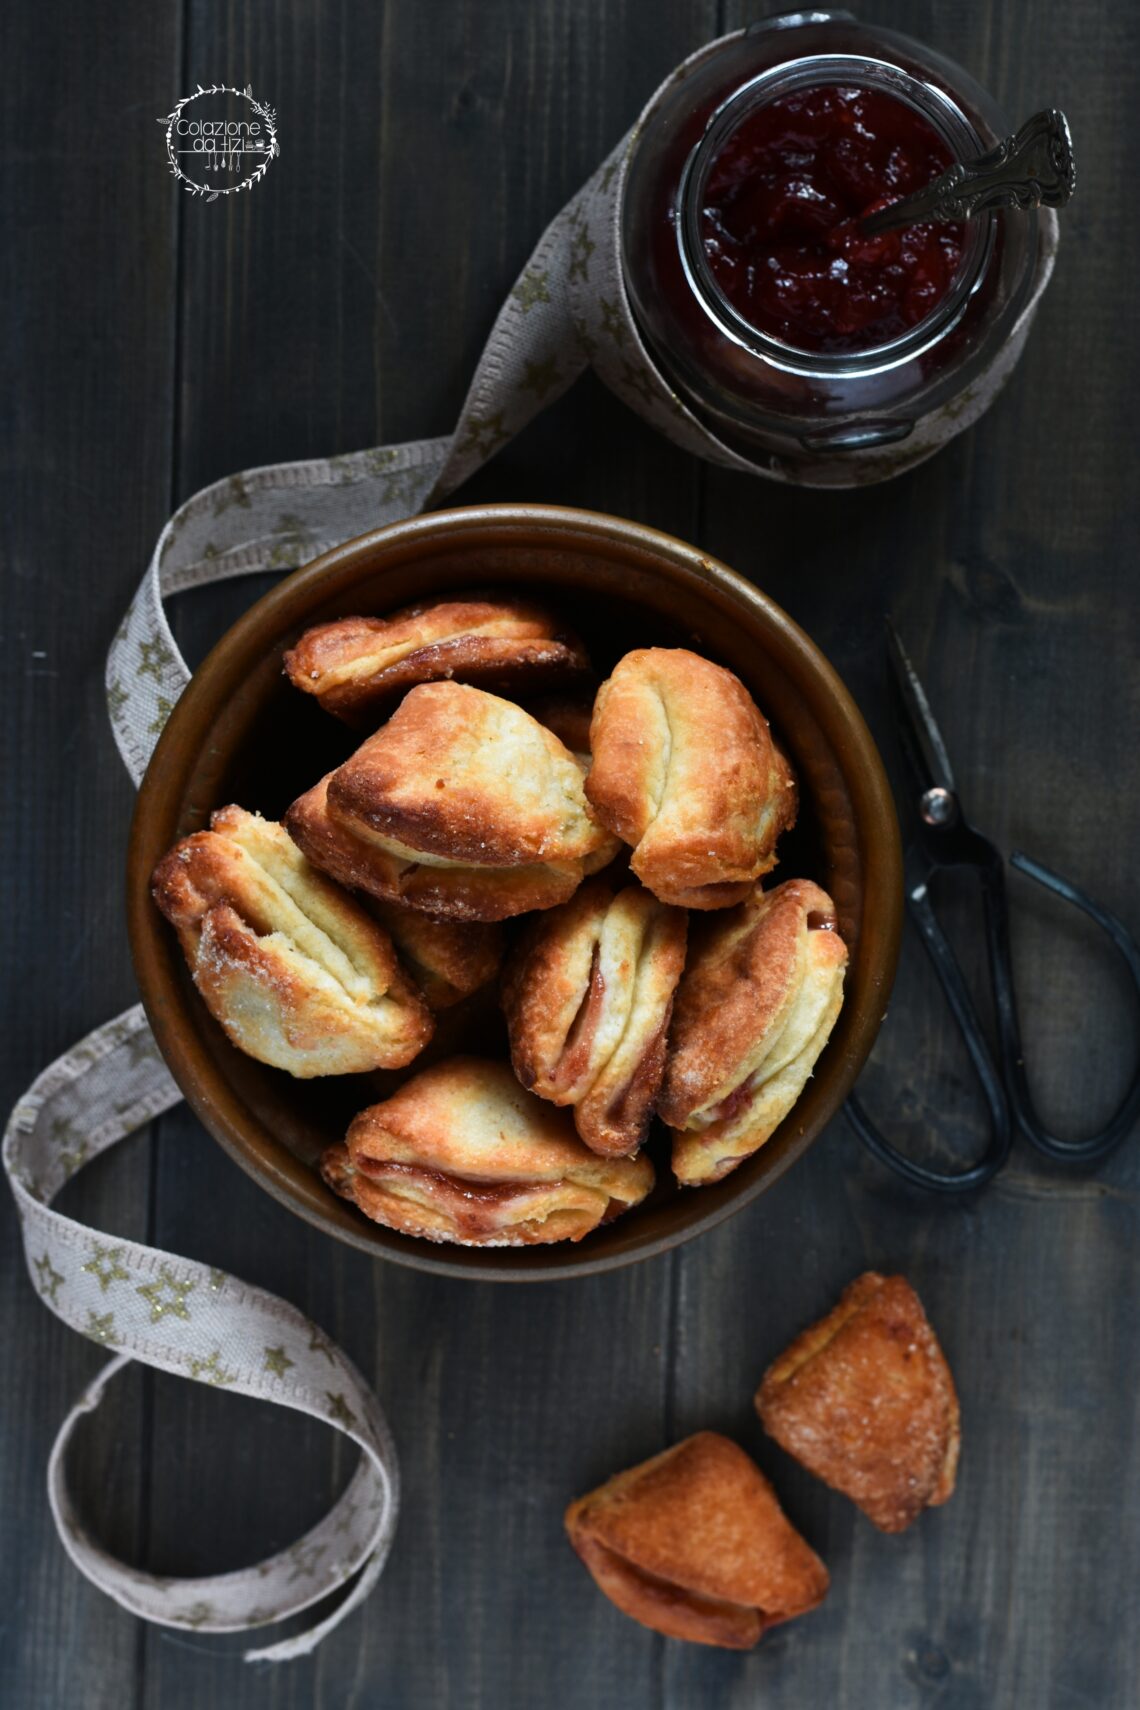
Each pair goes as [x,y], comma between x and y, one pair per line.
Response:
[263,110]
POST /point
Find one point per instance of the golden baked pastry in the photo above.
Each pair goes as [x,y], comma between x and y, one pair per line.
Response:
[295,971]
[462,805]
[568,716]
[865,1400]
[462,1153]
[762,988]
[685,771]
[588,996]
[358,666]
[448,959]
[694,1544]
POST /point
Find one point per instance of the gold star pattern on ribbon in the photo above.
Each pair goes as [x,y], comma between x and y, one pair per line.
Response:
[582,247]
[195,1615]
[154,657]
[106,1267]
[540,377]
[304,1558]
[341,1411]
[318,1345]
[73,1159]
[293,546]
[101,1327]
[403,487]
[121,632]
[277,1361]
[140,1046]
[638,381]
[166,1295]
[485,434]
[211,1370]
[233,493]
[532,289]
[165,708]
[50,1279]
[346,1519]
[612,321]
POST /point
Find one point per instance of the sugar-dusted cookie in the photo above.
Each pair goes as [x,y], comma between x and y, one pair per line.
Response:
[686,772]
[866,1401]
[762,988]
[296,972]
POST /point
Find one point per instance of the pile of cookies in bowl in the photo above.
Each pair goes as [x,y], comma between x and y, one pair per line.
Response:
[519,809]
[598,860]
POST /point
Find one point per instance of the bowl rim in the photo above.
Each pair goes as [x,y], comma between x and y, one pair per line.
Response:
[218,1107]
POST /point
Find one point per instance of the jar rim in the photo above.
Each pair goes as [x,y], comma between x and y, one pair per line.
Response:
[934,104]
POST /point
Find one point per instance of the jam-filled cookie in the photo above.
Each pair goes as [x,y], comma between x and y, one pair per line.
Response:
[588,996]
[761,992]
[358,667]
[462,1153]
[296,972]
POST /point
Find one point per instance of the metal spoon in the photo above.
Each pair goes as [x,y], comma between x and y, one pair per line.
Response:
[1031,169]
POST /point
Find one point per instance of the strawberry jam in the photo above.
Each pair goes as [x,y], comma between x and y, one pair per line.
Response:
[781,210]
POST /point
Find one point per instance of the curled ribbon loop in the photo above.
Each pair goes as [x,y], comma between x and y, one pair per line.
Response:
[197,1322]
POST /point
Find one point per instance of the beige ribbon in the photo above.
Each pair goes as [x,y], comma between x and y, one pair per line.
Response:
[568,309]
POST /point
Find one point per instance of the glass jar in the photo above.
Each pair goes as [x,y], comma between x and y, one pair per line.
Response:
[760,392]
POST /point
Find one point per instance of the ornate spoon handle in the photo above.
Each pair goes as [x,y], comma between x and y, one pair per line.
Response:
[1034,168]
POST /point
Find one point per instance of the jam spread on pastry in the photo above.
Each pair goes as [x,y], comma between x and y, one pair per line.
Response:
[588,996]
[462,1153]
[295,971]
[685,771]
[865,1400]
[761,992]
[448,959]
[358,666]
[462,805]
[694,1544]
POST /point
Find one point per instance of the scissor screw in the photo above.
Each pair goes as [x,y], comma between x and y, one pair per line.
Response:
[938,807]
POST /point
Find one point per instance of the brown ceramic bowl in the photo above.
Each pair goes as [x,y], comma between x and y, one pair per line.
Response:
[240,733]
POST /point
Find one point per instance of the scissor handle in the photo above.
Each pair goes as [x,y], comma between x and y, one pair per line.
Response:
[1093,1146]
[962,1008]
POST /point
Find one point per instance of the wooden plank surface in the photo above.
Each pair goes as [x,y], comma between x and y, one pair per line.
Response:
[154,343]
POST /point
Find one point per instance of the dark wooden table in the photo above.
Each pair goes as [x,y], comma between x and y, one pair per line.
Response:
[153,343]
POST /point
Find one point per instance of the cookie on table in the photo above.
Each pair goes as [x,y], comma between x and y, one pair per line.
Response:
[865,1400]
[694,1544]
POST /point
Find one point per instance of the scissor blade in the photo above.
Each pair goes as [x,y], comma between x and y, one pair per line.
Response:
[925,746]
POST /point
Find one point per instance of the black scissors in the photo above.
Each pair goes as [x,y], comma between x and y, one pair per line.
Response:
[944,838]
